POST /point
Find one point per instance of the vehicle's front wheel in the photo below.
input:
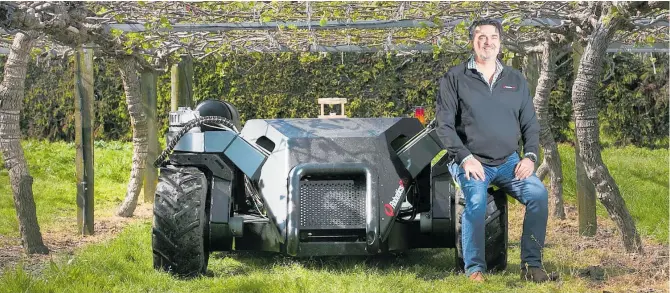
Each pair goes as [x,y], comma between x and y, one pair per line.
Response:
[180,222]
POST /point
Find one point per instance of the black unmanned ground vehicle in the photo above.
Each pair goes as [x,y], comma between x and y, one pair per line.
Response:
[306,187]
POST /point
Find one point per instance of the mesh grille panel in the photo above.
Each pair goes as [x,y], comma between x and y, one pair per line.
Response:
[328,204]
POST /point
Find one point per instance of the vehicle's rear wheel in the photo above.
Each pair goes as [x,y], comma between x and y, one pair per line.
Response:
[180,222]
[496,230]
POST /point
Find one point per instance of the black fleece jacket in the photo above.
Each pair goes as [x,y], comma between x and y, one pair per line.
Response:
[487,123]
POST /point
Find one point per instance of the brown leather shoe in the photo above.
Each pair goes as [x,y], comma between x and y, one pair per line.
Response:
[534,274]
[477,277]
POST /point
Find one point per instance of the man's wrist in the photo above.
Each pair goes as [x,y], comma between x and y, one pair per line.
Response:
[470,156]
[530,156]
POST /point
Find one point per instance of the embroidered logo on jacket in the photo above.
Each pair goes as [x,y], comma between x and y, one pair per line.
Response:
[509,87]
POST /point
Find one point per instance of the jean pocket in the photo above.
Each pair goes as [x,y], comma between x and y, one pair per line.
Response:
[454,170]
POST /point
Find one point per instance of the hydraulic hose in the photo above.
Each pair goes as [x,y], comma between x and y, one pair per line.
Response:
[188,126]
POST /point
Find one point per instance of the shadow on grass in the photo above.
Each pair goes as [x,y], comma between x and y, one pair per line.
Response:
[595,275]
[426,264]
[429,264]
[647,178]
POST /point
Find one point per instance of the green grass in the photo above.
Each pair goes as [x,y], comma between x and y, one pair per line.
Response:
[54,187]
[642,178]
[124,265]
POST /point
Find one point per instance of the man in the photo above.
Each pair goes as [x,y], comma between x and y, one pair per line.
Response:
[482,109]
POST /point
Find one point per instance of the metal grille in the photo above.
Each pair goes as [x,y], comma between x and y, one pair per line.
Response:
[332,204]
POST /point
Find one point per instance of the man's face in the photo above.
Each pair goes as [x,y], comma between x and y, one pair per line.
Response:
[486,42]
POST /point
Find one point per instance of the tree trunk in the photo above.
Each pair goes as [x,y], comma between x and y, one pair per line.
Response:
[138,118]
[587,131]
[551,156]
[12,89]
[531,69]
[543,170]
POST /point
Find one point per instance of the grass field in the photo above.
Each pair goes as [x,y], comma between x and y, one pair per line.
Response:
[126,267]
[642,176]
[54,186]
[123,264]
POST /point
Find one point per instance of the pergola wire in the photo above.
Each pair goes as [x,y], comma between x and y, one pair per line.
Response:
[162,29]
[205,26]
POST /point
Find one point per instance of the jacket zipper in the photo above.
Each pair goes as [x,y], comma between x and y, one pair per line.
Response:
[479,75]
[500,76]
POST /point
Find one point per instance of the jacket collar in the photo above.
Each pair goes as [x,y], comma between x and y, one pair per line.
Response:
[472,65]
[472,71]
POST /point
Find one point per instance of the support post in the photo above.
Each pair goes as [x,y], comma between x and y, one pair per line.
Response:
[149,99]
[517,63]
[83,90]
[530,68]
[586,192]
[182,84]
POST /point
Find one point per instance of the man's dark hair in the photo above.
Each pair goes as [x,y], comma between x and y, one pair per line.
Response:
[485,21]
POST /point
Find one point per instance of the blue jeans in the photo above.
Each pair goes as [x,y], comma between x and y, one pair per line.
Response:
[530,192]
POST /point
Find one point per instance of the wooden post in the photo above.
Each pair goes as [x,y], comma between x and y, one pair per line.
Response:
[514,61]
[182,83]
[586,192]
[83,91]
[531,69]
[174,88]
[149,99]
[517,62]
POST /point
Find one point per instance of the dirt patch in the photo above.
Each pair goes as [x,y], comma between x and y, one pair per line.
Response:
[600,260]
[66,239]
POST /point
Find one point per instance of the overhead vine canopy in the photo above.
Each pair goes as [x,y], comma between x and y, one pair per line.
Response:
[157,30]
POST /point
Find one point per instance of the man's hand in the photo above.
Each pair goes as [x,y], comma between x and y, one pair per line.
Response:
[474,167]
[524,169]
